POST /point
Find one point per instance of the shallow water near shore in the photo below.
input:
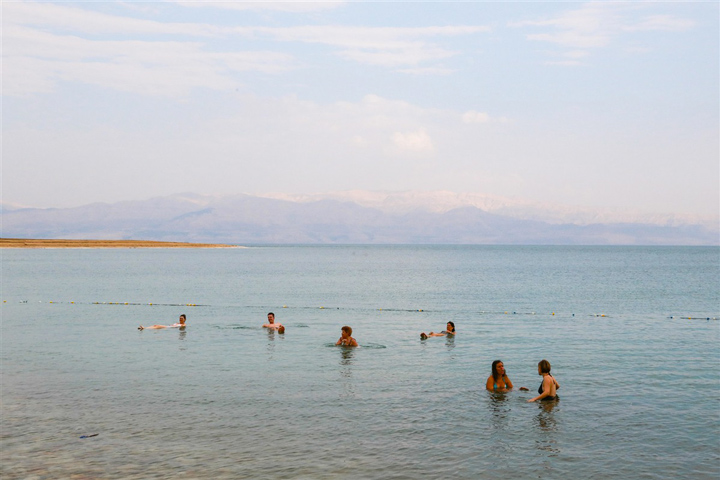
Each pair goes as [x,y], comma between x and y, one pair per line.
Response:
[631,333]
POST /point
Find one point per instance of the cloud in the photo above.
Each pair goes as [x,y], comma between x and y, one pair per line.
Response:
[663,23]
[383,46]
[471,116]
[416,142]
[475,117]
[427,71]
[35,61]
[597,25]
[66,19]
[44,44]
[296,6]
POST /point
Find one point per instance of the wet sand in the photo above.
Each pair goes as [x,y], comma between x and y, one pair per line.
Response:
[59,243]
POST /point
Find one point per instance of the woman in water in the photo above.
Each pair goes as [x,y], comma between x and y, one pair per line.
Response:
[450,331]
[499,380]
[174,325]
[548,387]
[346,339]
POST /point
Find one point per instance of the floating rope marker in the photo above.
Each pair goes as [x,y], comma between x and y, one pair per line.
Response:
[89,436]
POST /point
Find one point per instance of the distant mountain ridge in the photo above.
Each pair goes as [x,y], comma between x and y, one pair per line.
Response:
[349,217]
[443,201]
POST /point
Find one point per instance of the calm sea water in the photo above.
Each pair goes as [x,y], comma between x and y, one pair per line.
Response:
[640,381]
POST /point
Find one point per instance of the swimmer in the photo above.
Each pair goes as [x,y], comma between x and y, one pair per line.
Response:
[181,323]
[272,325]
[548,387]
[346,339]
[499,380]
[450,331]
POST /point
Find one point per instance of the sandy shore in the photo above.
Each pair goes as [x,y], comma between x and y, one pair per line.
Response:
[42,243]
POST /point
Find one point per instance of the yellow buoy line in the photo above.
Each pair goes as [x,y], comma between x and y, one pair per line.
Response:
[420,310]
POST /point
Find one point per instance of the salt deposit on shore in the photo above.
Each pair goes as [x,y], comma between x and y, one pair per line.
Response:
[59,243]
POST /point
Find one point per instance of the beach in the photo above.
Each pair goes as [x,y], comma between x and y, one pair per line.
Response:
[62,243]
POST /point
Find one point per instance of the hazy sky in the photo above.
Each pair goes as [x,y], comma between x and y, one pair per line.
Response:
[590,104]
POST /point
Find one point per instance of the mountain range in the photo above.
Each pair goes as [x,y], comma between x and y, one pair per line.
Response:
[356,217]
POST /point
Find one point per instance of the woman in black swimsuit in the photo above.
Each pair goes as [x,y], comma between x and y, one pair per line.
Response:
[548,387]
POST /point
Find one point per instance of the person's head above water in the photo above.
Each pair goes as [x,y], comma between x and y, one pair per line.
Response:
[450,327]
[544,366]
[183,318]
[347,330]
[271,317]
[498,369]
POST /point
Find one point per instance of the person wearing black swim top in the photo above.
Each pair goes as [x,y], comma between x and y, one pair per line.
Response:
[548,387]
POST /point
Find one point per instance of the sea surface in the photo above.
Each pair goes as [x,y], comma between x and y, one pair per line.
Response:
[632,334]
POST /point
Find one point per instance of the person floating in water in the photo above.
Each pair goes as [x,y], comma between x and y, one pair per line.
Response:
[346,338]
[272,325]
[548,387]
[499,380]
[450,331]
[181,324]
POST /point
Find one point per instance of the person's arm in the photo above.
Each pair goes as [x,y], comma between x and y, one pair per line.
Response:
[451,333]
[546,390]
[557,385]
[353,342]
[490,384]
[339,342]
[508,383]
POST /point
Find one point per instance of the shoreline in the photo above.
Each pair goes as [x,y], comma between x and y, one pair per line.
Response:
[61,243]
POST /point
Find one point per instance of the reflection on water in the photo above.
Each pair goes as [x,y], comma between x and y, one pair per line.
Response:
[181,336]
[346,362]
[499,406]
[346,356]
[547,426]
[450,341]
[271,341]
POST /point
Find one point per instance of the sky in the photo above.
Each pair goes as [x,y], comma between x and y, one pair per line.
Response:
[600,104]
